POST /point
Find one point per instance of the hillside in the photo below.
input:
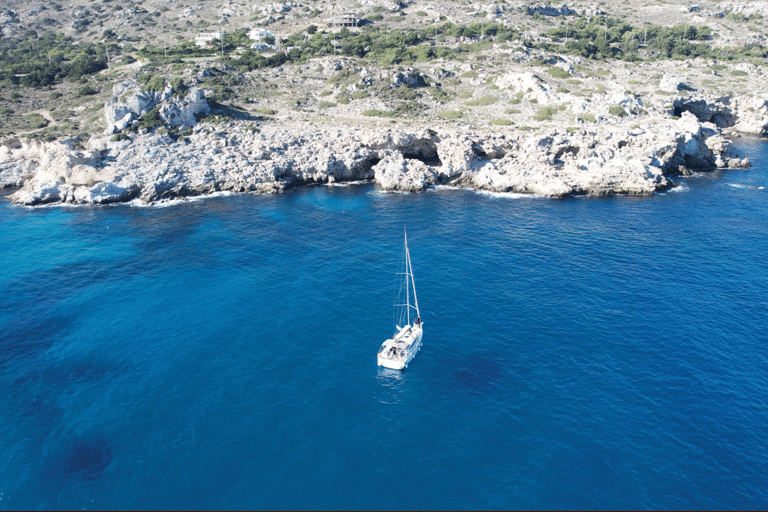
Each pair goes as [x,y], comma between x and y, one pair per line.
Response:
[503,68]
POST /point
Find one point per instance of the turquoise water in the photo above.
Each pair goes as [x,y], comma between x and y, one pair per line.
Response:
[578,353]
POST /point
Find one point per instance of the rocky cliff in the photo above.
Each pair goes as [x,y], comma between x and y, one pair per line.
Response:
[608,159]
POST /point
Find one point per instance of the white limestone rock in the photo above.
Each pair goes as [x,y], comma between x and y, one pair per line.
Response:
[394,172]
[752,115]
[129,103]
[671,83]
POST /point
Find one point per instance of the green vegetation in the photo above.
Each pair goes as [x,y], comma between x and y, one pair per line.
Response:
[326,104]
[35,121]
[738,72]
[483,101]
[587,118]
[439,94]
[501,122]
[38,61]
[358,95]
[451,114]
[86,91]
[617,110]
[152,83]
[378,113]
[545,113]
[558,73]
[118,137]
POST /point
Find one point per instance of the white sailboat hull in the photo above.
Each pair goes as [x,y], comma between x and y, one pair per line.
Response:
[396,353]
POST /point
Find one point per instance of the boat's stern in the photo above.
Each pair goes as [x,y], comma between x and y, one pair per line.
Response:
[392,364]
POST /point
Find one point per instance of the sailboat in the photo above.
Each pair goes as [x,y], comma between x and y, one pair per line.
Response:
[398,351]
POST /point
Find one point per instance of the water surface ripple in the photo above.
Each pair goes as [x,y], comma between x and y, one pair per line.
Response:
[578,353]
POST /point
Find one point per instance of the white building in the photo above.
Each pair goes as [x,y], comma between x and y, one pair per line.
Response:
[257,34]
[203,38]
[263,47]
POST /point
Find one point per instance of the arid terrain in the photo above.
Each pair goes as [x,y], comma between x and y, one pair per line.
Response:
[507,72]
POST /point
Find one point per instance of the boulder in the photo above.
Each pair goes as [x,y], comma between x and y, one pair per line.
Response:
[671,83]
[394,172]
[129,102]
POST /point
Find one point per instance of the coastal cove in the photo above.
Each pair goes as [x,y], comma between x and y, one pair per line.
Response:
[583,352]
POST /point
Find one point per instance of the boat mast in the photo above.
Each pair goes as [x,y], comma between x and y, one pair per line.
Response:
[409,270]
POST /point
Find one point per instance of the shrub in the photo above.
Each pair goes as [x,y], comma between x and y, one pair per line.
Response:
[501,122]
[572,129]
[420,13]
[178,85]
[587,117]
[358,95]
[151,119]
[86,91]
[35,121]
[118,137]
[558,72]
[563,90]
[154,83]
[451,114]
[439,94]
[511,111]
[265,111]
[738,72]
[483,101]
[378,113]
[326,104]
[55,95]
[545,114]
[617,110]
[469,74]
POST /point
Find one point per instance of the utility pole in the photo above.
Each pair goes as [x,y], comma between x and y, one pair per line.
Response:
[106,48]
[51,64]
[165,47]
[645,39]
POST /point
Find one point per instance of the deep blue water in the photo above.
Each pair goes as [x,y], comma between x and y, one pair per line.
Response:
[578,353]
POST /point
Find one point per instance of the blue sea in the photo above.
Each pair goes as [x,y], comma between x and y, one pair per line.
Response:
[606,353]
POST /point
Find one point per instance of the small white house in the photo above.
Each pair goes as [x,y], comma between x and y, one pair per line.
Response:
[257,34]
[263,47]
[203,38]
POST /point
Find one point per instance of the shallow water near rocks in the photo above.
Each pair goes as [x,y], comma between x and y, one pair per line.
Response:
[578,353]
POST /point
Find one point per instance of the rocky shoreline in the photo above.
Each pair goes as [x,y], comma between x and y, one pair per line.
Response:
[620,157]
